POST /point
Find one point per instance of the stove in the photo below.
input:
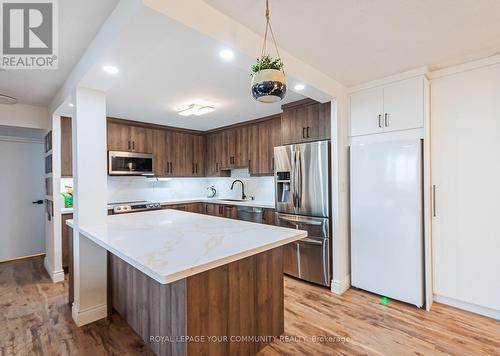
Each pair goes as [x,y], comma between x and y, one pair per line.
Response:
[134,206]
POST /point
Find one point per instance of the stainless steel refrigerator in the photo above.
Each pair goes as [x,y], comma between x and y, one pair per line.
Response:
[302,182]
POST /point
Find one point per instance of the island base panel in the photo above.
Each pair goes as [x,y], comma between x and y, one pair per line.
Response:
[234,309]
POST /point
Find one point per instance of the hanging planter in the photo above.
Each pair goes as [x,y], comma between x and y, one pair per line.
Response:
[268,78]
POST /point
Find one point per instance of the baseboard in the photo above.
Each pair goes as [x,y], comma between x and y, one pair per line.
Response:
[473,308]
[56,276]
[84,317]
[339,287]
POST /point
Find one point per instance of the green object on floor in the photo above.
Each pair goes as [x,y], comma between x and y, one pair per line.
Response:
[384,300]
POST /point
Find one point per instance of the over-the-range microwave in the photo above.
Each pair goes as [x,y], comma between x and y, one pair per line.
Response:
[130,164]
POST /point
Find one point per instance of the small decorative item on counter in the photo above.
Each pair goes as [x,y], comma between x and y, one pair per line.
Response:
[211,192]
[68,197]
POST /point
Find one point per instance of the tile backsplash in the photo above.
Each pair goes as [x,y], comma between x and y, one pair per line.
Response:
[140,188]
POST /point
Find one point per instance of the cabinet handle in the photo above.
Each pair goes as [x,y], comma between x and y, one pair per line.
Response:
[216,167]
[307,131]
[168,170]
[171,168]
[129,147]
[434,200]
[193,168]
[196,167]
[379,120]
[303,132]
[386,120]
[272,164]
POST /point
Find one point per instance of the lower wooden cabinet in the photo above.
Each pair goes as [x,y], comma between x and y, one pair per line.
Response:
[65,236]
[268,217]
[189,207]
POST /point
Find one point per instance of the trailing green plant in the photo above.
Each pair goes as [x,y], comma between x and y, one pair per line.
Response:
[267,62]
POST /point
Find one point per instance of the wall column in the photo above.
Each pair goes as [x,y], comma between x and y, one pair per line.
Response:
[90,204]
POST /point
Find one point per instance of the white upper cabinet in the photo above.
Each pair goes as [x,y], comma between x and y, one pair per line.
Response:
[366,112]
[393,107]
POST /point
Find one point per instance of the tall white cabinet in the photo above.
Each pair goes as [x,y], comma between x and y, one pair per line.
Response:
[466,175]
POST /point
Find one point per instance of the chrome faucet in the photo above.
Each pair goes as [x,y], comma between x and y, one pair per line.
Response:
[243,196]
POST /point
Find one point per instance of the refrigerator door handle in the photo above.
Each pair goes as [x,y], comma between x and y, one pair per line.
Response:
[299,179]
[304,221]
[292,178]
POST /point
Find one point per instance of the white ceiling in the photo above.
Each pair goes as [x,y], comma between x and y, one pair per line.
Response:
[79,22]
[355,41]
[165,66]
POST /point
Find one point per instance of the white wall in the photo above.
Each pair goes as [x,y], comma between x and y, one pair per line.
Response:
[466,171]
[29,116]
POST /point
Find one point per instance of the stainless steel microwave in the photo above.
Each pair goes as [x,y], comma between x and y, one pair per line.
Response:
[130,164]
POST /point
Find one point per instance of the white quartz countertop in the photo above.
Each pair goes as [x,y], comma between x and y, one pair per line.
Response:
[169,245]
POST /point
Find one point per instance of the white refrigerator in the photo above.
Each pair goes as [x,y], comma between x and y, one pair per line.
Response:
[387,219]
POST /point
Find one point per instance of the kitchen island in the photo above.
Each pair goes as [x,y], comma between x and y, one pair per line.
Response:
[192,284]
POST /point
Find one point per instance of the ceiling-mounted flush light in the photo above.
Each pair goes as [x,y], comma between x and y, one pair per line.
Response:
[71,105]
[197,110]
[111,69]
[299,87]
[226,54]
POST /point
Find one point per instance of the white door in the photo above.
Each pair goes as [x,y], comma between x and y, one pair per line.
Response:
[386,219]
[404,105]
[21,183]
[366,112]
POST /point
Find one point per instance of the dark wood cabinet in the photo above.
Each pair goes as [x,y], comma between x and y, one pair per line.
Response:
[230,212]
[129,138]
[66,234]
[199,155]
[236,147]
[262,138]
[66,148]
[216,155]
[305,121]
[268,217]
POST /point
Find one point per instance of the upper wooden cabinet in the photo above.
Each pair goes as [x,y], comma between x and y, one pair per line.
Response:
[236,147]
[305,121]
[216,155]
[66,147]
[262,138]
[130,138]
[199,155]
[393,107]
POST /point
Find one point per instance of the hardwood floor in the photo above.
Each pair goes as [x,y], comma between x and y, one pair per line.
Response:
[35,319]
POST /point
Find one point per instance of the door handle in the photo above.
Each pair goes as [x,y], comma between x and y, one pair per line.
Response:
[434,200]
[386,120]
[380,120]
[40,201]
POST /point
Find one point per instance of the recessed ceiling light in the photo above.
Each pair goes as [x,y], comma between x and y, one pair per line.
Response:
[71,105]
[195,109]
[226,54]
[110,69]
[299,87]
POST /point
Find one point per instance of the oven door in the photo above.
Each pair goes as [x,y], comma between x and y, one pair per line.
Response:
[128,163]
